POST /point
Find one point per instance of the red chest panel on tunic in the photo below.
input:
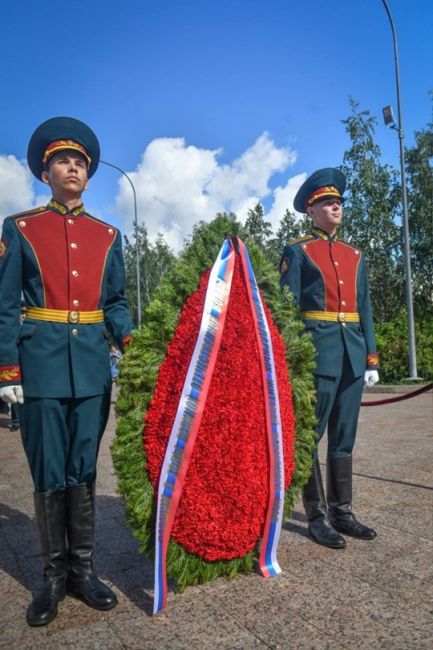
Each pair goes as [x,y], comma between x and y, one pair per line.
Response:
[338,264]
[71,252]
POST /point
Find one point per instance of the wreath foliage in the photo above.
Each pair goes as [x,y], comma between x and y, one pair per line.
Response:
[138,377]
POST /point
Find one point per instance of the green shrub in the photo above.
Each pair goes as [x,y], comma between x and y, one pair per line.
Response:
[392,344]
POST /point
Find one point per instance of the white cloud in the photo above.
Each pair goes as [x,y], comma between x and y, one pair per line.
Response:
[283,199]
[43,199]
[179,184]
[16,186]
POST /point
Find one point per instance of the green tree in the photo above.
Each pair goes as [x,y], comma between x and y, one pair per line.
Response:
[290,228]
[371,211]
[420,206]
[256,227]
[155,259]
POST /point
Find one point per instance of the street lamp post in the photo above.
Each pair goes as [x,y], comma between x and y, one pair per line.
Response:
[389,120]
[137,254]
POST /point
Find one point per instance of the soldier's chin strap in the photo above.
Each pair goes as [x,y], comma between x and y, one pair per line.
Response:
[12,394]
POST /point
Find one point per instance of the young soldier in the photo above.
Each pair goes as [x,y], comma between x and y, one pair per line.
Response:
[69,268]
[328,279]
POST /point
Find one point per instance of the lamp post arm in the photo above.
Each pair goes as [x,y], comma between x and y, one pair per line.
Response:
[137,255]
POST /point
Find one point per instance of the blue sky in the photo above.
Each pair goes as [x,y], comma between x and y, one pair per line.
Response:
[207,104]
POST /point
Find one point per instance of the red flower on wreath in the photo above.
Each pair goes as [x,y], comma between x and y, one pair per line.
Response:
[222,510]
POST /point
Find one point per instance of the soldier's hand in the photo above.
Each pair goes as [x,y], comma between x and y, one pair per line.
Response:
[12,394]
[371,377]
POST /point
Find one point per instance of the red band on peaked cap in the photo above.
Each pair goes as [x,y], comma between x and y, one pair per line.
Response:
[65,145]
[62,128]
[321,193]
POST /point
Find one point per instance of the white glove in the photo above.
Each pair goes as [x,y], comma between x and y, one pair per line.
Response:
[371,377]
[12,394]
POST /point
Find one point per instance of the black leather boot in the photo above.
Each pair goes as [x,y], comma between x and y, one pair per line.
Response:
[319,525]
[82,580]
[339,489]
[50,520]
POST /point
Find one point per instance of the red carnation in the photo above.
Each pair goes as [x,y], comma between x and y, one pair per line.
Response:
[222,509]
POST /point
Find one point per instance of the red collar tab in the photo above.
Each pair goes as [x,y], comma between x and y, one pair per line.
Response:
[62,145]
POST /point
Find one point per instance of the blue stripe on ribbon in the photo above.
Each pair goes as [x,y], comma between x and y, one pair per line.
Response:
[269,562]
[222,270]
[225,249]
[160,581]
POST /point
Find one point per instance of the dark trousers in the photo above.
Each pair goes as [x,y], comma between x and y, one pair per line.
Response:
[15,415]
[61,438]
[337,407]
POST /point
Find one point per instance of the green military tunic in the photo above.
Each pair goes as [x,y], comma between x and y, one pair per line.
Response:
[328,279]
[68,268]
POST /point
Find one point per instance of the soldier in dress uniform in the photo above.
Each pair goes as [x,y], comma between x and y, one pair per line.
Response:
[69,268]
[328,279]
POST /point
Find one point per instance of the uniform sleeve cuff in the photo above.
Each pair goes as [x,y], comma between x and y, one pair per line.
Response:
[10,375]
[125,342]
[372,361]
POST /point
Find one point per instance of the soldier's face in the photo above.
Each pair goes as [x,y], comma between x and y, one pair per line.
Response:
[326,214]
[66,175]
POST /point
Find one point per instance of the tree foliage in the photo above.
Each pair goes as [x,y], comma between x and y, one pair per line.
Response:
[372,221]
[154,261]
[420,206]
[257,229]
[392,346]
[371,211]
[290,228]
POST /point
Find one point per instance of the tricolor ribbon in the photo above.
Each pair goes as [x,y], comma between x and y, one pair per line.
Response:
[268,563]
[191,406]
[190,411]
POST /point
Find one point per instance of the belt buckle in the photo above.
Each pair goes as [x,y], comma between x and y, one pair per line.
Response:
[74,317]
[341,317]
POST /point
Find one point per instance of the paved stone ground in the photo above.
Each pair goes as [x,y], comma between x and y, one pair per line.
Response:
[370,595]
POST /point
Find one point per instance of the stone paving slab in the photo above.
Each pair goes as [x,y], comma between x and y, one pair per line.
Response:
[370,595]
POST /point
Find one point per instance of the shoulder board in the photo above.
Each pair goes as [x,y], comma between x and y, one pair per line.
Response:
[304,238]
[28,213]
